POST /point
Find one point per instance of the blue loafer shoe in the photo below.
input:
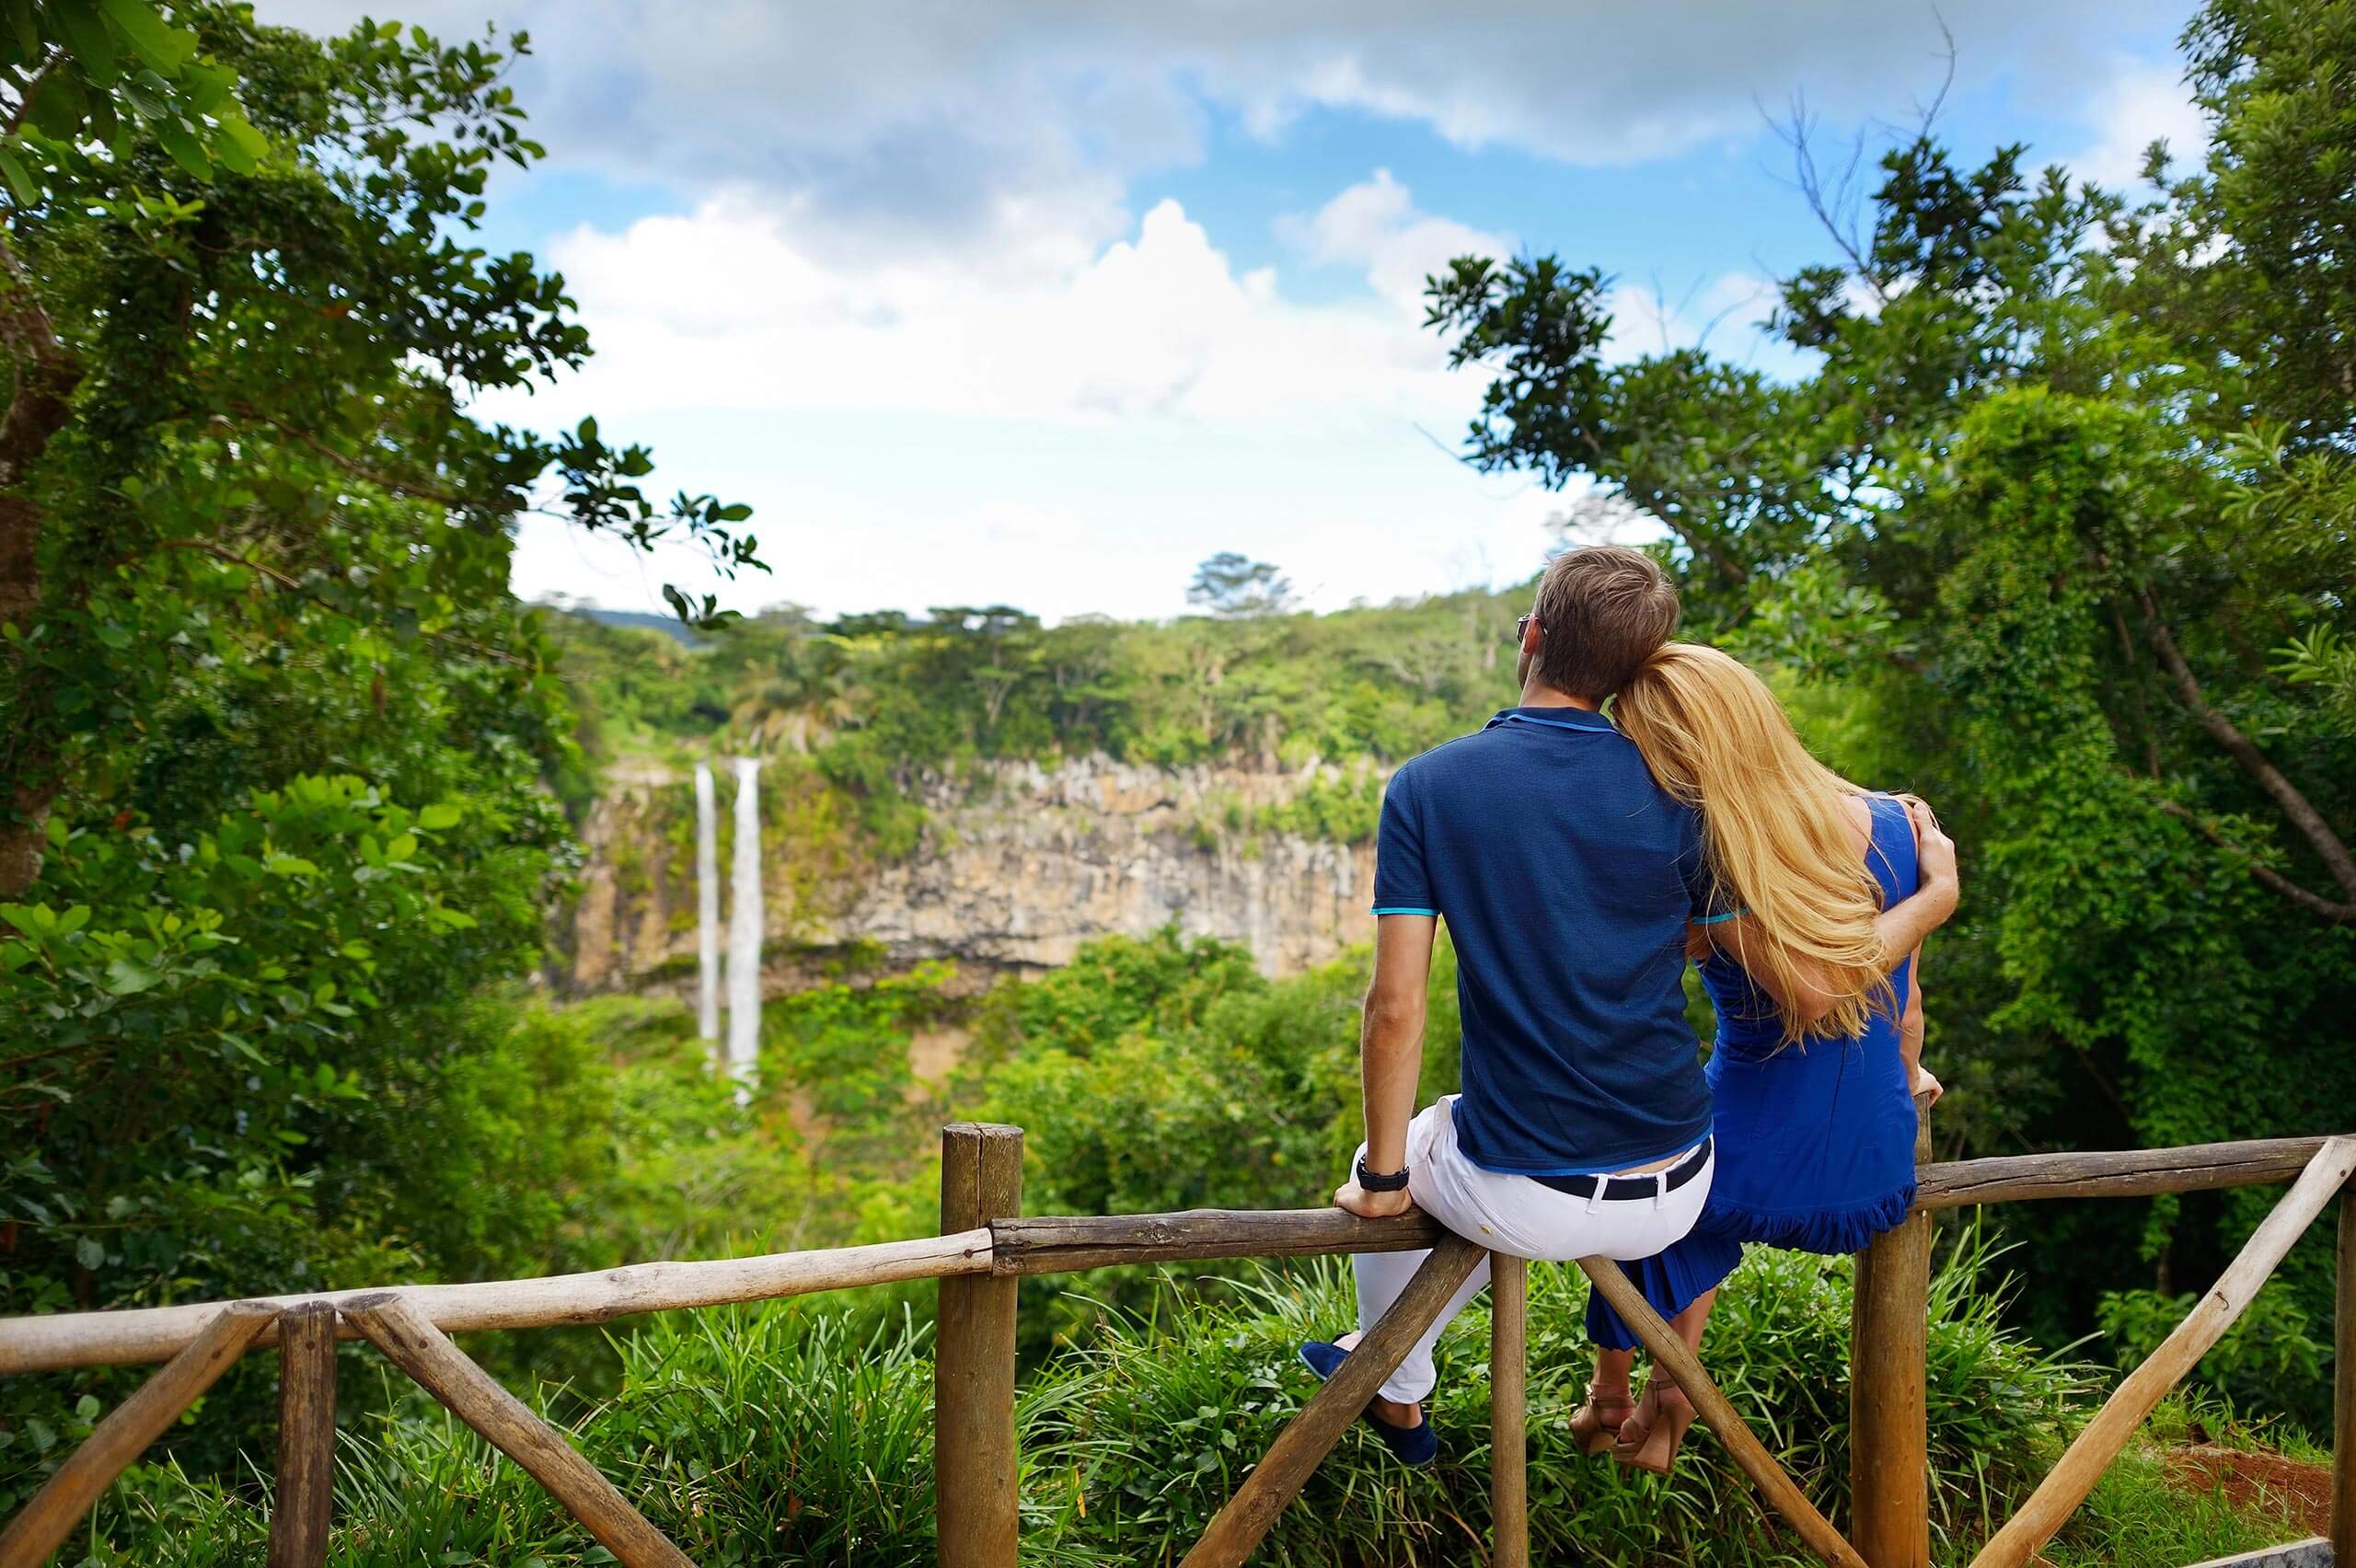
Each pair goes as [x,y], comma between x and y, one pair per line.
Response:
[1412,1445]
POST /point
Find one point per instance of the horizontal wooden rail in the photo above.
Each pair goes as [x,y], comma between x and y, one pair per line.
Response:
[55,1342]
[1060,1245]
[1055,1245]
[2122,1173]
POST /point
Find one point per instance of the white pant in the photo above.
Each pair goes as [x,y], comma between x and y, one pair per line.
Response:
[1506,1214]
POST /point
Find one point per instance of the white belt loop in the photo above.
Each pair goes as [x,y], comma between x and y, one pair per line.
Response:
[1595,1193]
[1660,1189]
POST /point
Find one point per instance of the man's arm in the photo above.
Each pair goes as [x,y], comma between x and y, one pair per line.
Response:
[1391,1054]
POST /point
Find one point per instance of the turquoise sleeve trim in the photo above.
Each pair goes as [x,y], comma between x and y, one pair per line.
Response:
[1401,909]
[1719,919]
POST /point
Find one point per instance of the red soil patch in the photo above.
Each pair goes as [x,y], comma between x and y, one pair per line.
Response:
[2267,1484]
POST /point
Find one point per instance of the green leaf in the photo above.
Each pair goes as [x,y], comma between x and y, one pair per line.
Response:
[236,127]
[128,977]
[207,87]
[74,919]
[59,106]
[90,1253]
[290,866]
[158,42]
[234,157]
[186,150]
[92,45]
[20,177]
[438,817]
[21,22]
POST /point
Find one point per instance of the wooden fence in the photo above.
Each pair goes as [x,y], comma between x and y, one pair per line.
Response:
[986,1249]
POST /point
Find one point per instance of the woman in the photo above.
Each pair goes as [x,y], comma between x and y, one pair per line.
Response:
[1820,1037]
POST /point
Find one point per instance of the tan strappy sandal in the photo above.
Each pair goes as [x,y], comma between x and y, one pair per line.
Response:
[1655,1451]
[1592,1426]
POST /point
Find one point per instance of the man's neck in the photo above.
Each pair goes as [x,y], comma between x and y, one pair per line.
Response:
[1538,693]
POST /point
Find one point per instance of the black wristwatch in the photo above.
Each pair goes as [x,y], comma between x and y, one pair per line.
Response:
[1395,1182]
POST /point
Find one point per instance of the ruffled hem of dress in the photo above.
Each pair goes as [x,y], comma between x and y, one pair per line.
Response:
[1830,1231]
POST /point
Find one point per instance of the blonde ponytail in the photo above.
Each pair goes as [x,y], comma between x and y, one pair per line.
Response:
[1775,829]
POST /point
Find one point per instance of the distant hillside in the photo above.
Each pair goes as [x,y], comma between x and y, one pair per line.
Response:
[642,620]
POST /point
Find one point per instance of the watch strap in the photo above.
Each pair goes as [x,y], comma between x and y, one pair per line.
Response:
[1392,1181]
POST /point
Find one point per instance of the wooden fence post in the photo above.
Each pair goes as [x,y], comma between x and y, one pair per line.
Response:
[304,1509]
[1889,1419]
[1508,1410]
[976,1507]
[2343,1411]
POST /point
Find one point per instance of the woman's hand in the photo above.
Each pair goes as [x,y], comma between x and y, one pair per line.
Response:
[1349,1195]
[1935,851]
[1927,1087]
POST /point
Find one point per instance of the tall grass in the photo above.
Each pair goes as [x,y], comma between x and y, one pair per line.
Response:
[785,1434]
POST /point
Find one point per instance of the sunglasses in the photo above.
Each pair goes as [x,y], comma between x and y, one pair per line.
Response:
[1521,626]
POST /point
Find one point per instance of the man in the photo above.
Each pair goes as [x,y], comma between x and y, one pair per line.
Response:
[1566,876]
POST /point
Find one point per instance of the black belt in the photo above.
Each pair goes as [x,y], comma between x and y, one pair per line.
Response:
[1622,1187]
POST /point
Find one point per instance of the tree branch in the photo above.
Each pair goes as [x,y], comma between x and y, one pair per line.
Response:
[294,586]
[2326,844]
[408,490]
[2315,903]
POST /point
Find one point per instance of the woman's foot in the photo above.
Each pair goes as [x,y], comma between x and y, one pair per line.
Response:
[1650,1438]
[1401,1426]
[1597,1425]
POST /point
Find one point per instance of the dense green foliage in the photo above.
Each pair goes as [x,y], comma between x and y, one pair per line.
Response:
[274,737]
[874,700]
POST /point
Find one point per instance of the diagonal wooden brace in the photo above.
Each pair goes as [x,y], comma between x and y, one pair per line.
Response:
[412,1344]
[1671,1355]
[44,1522]
[1310,1435]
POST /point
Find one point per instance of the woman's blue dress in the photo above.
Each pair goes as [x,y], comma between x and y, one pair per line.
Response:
[1814,1140]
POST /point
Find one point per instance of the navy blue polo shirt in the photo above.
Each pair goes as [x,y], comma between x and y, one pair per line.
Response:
[1566,875]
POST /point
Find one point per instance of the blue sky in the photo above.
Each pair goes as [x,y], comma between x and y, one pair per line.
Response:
[1041,302]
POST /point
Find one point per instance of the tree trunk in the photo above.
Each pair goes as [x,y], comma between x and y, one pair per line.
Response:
[42,401]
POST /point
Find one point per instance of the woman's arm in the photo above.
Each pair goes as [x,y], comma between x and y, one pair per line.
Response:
[1901,927]
[1920,1081]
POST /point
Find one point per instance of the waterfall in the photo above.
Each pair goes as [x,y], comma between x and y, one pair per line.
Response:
[707,908]
[745,929]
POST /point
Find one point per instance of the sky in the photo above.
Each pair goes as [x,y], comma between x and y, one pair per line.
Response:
[1043,302]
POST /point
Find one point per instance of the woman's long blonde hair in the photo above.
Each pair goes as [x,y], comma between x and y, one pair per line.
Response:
[1774,827]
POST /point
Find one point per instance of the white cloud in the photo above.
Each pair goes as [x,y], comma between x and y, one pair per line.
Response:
[731,306]
[913,434]
[1374,226]
[2138,103]
[919,125]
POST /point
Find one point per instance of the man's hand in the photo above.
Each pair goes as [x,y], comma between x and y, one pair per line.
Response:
[1371,1206]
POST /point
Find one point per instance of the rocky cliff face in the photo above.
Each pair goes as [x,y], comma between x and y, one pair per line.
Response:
[1019,865]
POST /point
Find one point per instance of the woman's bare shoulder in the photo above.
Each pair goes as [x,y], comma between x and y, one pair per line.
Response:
[1860,818]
